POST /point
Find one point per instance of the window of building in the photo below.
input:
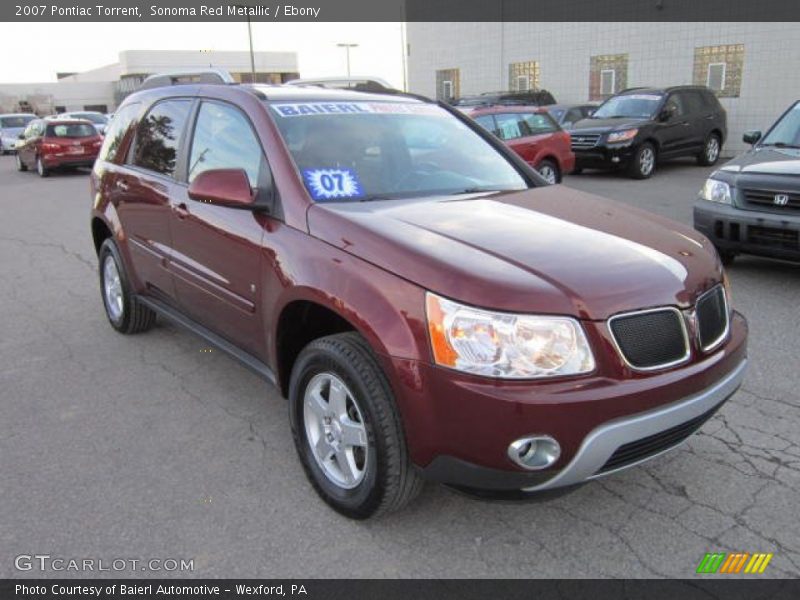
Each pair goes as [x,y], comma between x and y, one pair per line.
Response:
[158,134]
[608,74]
[101,108]
[720,68]
[448,84]
[715,79]
[523,76]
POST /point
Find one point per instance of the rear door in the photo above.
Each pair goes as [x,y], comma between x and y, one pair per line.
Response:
[700,119]
[143,192]
[509,129]
[675,134]
[216,257]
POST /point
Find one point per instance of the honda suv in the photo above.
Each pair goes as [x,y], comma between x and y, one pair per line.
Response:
[641,126]
[424,300]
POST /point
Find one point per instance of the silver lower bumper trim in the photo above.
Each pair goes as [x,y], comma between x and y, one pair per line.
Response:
[603,441]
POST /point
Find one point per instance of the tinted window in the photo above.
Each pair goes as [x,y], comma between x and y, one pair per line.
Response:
[116,131]
[71,130]
[694,102]
[573,115]
[378,150]
[676,101]
[158,135]
[224,139]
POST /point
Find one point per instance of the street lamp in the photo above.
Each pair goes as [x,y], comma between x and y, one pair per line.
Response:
[347,50]
[250,39]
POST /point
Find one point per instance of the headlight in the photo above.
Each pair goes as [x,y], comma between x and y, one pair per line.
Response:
[715,190]
[505,345]
[622,136]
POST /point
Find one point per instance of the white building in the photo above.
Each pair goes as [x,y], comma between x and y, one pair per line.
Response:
[752,66]
[102,89]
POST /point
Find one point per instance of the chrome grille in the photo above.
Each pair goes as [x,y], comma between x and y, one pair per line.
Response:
[584,140]
[775,199]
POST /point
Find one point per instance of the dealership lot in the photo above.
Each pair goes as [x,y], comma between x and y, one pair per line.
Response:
[154,446]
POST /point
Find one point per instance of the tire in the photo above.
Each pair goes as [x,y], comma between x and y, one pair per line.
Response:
[550,171]
[125,313]
[710,153]
[643,164]
[726,257]
[380,477]
[20,165]
[40,168]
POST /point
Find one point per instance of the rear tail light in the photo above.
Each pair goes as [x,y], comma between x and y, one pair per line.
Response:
[50,146]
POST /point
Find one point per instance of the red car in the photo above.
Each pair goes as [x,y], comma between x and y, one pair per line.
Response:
[431,308]
[533,134]
[48,144]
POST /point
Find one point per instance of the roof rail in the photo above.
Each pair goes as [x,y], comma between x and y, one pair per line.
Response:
[366,83]
[188,76]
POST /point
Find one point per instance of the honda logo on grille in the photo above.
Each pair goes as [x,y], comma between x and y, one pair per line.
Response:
[781,199]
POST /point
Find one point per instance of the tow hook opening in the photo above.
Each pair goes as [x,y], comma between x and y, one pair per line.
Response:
[534,452]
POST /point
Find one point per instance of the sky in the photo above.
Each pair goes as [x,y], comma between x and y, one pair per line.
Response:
[71,47]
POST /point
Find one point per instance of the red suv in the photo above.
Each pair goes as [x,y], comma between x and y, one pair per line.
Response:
[430,308]
[51,144]
[532,133]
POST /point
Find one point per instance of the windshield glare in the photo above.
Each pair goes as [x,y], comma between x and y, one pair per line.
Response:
[381,150]
[786,132]
[631,105]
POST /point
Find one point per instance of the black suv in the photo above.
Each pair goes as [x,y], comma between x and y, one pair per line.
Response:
[640,126]
[752,204]
[536,97]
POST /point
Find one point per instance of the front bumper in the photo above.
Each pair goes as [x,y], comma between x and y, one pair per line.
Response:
[459,427]
[8,144]
[604,156]
[748,231]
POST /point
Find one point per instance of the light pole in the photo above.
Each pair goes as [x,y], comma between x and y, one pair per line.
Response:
[252,57]
[347,50]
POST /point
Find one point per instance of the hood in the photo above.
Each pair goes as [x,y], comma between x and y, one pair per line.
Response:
[766,160]
[590,125]
[549,250]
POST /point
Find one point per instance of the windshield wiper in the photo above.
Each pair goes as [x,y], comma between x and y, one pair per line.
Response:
[474,190]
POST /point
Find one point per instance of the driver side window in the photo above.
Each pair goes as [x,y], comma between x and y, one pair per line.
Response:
[676,101]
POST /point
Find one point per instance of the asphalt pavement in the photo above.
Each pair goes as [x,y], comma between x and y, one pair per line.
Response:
[149,446]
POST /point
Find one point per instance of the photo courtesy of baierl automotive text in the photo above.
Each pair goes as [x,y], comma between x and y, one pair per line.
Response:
[500,292]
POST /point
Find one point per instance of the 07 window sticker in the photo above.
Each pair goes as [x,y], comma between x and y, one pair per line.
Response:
[332,184]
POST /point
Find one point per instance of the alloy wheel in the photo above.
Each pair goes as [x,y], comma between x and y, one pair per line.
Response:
[112,288]
[647,160]
[712,150]
[549,173]
[335,430]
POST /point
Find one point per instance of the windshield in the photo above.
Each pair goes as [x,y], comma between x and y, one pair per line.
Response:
[630,105]
[15,122]
[93,117]
[71,130]
[786,132]
[382,150]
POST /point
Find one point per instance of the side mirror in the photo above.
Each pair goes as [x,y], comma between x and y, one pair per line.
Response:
[223,187]
[751,137]
[666,113]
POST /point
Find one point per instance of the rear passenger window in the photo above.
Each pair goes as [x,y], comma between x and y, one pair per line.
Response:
[224,139]
[694,102]
[116,130]
[508,126]
[158,136]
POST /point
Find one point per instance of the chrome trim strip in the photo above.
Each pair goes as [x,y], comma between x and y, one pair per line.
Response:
[727,329]
[603,441]
[688,350]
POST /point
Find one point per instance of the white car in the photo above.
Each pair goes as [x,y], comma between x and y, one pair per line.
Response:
[99,120]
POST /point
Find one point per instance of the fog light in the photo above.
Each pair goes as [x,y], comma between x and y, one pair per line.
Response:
[534,452]
[615,159]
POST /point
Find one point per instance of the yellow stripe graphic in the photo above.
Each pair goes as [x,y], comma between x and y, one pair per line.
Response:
[767,558]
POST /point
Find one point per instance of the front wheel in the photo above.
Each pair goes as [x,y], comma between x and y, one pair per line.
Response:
[40,168]
[347,430]
[710,153]
[549,170]
[644,162]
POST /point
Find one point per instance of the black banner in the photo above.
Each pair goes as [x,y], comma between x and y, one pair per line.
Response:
[733,588]
[399,10]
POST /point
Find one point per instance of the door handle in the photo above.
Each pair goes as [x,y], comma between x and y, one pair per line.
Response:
[182,211]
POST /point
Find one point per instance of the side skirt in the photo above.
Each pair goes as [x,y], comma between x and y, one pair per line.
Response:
[247,359]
